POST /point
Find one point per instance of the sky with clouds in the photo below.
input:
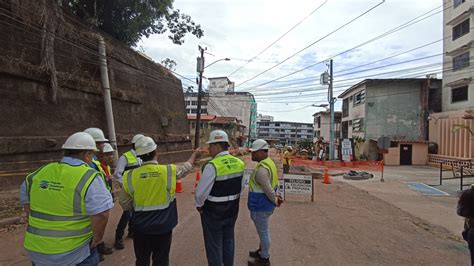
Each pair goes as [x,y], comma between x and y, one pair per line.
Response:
[241,29]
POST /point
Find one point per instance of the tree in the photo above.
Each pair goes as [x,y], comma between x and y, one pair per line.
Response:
[129,20]
[170,64]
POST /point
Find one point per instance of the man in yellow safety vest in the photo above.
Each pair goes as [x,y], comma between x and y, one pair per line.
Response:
[67,205]
[150,191]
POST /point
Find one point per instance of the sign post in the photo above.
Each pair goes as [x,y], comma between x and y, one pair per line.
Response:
[297,184]
[383,143]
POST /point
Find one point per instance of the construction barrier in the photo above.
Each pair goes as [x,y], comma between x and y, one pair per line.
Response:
[331,165]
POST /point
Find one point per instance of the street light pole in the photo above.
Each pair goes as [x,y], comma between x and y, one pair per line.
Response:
[200,69]
[331,108]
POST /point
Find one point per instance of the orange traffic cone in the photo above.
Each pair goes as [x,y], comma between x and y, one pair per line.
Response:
[198,177]
[326,176]
[179,186]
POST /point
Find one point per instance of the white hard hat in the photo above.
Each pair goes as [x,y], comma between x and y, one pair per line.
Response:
[136,138]
[97,134]
[259,144]
[289,148]
[218,136]
[145,145]
[80,141]
[107,148]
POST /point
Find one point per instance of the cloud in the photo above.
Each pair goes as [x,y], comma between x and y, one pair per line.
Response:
[241,29]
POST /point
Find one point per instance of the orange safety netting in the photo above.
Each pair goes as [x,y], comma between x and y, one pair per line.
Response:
[332,165]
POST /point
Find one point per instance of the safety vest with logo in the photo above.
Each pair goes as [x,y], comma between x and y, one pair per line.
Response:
[103,174]
[258,201]
[58,220]
[152,188]
[223,200]
[132,160]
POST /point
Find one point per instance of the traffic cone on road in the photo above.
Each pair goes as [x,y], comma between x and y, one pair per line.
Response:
[179,186]
[326,176]
[198,177]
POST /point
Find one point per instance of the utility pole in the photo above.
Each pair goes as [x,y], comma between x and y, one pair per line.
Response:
[331,108]
[250,124]
[200,70]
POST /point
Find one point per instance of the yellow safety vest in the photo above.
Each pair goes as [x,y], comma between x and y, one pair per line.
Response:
[132,160]
[268,164]
[58,220]
[102,173]
[152,186]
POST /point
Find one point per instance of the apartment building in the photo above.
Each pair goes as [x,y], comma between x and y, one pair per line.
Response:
[285,133]
[321,125]
[458,87]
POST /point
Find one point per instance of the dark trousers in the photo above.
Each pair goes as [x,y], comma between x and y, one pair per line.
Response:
[218,240]
[470,243]
[286,168]
[125,219]
[155,246]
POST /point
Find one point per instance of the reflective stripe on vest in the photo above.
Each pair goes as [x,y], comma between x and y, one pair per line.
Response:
[58,220]
[268,164]
[223,199]
[140,189]
[227,168]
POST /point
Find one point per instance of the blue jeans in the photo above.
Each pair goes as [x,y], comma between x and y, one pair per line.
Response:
[218,240]
[261,223]
[92,260]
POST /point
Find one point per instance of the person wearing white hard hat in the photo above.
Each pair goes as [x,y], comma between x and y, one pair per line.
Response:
[98,135]
[217,198]
[127,161]
[149,191]
[262,198]
[67,205]
[105,160]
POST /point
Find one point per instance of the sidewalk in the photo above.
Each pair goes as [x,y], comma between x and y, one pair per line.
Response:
[438,210]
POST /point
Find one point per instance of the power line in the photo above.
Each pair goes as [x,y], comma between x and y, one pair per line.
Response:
[313,43]
[279,38]
[396,29]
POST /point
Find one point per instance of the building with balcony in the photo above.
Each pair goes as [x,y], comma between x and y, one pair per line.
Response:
[458,86]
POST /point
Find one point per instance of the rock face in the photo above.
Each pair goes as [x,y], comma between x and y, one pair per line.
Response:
[50,88]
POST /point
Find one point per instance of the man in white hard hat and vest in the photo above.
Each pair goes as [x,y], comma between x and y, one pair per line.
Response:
[217,199]
[98,135]
[150,191]
[67,205]
[262,199]
[127,161]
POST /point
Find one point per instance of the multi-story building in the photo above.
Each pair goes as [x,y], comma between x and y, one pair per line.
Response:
[287,133]
[395,108]
[321,125]
[264,118]
[221,100]
[458,87]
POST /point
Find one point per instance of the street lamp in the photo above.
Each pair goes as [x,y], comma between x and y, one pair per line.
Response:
[200,70]
[223,59]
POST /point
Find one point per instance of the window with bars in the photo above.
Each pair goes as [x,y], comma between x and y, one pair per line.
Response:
[359,97]
[460,61]
[358,125]
[461,29]
[345,107]
[459,94]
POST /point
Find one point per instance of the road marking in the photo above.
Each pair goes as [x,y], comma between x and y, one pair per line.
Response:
[426,189]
